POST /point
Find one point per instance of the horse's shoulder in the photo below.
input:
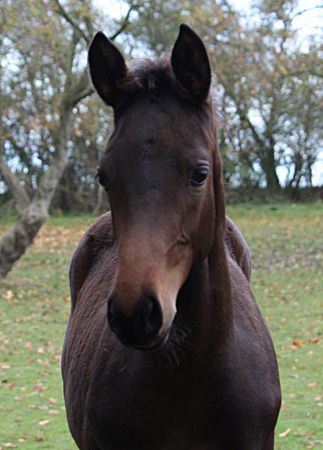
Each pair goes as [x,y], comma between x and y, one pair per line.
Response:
[237,247]
[97,240]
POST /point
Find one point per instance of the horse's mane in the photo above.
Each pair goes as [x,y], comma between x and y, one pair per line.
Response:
[153,76]
[156,77]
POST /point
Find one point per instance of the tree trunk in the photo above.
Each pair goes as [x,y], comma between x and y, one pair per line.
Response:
[18,192]
[17,238]
[32,214]
[269,168]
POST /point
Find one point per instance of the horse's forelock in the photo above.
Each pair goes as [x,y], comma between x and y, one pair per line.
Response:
[157,76]
[151,75]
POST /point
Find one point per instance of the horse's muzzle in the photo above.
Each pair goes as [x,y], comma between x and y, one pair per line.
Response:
[140,328]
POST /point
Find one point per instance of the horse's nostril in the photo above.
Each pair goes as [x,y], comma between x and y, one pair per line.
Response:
[141,326]
[151,315]
[111,307]
[115,313]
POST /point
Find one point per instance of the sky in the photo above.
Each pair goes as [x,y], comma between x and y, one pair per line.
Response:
[307,23]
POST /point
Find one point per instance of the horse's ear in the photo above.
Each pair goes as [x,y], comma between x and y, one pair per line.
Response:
[108,69]
[191,64]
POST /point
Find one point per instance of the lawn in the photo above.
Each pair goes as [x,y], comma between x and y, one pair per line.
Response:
[286,243]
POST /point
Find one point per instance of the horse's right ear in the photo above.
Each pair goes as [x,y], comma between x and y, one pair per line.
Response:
[108,69]
[191,64]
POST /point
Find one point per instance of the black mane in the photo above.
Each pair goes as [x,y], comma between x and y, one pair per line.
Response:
[151,76]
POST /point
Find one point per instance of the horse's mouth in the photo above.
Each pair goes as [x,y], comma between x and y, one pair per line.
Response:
[153,343]
[158,343]
[147,348]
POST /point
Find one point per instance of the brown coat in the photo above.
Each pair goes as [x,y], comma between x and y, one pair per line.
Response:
[166,348]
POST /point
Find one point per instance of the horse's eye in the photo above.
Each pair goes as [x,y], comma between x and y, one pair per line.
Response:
[102,180]
[198,176]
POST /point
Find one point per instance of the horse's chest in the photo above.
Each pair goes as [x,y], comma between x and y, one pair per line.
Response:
[154,416]
[163,412]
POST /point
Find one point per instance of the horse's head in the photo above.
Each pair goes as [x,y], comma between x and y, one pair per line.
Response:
[158,170]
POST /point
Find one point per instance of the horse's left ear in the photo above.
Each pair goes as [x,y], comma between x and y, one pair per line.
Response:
[107,68]
[191,64]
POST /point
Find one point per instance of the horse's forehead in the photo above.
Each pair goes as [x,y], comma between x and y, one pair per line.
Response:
[149,113]
[159,123]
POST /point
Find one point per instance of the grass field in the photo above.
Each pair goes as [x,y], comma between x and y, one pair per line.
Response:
[286,243]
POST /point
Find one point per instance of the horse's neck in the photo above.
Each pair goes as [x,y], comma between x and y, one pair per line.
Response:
[220,283]
[205,301]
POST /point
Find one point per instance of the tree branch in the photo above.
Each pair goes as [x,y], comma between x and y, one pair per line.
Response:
[299,13]
[16,190]
[124,24]
[61,11]
[82,94]
[83,88]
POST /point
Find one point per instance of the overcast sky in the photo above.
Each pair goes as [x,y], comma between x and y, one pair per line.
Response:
[308,23]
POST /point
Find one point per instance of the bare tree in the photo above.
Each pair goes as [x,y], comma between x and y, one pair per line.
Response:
[49,49]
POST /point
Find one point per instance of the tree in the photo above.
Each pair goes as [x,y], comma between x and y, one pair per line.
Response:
[264,80]
[153,28]
[51,128]
[304,139]
[268,82]
[43,80]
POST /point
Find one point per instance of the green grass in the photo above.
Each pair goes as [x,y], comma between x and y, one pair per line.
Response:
[286,243]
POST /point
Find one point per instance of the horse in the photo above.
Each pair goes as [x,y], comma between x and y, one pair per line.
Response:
[166,348]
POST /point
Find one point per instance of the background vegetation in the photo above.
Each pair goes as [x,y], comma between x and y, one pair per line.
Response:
[268,85]
[267,81]
[286,242]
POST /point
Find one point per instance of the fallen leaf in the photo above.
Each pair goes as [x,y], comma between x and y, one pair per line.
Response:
[310,385]
[39,387]
[42,407]
[29,346]
[43,422]
[285,433]
[8,296]
[314,340]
